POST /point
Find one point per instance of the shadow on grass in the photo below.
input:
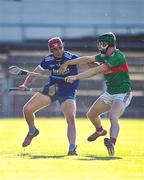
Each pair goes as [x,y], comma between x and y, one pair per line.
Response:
[31,156]
[81,158]
[101,158]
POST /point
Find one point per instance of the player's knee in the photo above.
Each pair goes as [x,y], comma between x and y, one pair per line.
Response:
[90,115]
[113,117]
[71,119]
[26,109]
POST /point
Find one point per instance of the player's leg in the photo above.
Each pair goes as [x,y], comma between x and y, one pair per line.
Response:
[116,110]
[69,110]
[37,102]
[121,101]
[93,114]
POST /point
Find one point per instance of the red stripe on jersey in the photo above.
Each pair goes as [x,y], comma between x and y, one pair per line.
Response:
[121,68]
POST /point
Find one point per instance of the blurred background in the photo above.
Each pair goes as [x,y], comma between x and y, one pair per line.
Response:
[26,25]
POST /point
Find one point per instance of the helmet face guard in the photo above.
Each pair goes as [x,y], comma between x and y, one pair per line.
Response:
[106,40]
[102,46]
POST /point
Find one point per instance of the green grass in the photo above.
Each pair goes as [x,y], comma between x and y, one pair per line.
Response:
[46,157]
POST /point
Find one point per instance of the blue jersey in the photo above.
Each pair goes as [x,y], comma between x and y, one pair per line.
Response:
[52,64]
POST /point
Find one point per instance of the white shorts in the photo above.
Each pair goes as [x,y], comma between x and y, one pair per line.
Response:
[109,99]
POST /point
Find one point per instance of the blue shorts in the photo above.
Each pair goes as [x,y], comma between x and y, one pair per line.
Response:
[61,96]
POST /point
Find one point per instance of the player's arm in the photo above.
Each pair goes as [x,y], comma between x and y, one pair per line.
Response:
[30,78]
[85,60]
[101,69]
[81,61]
[91,65]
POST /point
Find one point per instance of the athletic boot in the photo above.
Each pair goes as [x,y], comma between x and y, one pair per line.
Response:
[95,135]
[109,146]
[73,153]
[29,138]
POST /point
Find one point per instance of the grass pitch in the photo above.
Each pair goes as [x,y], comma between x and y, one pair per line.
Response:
[45,158]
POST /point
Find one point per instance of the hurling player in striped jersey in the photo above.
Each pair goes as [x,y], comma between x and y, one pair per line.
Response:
[65,93]
[112,63]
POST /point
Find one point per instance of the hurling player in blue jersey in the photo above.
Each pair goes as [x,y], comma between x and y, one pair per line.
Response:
[65,92]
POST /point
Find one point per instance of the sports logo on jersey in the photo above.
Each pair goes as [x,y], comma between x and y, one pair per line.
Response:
[52,65]
[67,71]
[56,72]
[58,64]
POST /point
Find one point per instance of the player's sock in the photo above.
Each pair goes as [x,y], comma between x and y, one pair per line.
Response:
[99,130]
[72,150]
[71,147]
[31,131]
[113,140]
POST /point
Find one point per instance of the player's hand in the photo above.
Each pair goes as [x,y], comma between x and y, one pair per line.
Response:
[70,79]
[22,87]
[63,68]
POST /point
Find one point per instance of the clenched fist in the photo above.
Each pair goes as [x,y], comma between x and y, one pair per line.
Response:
[70,79]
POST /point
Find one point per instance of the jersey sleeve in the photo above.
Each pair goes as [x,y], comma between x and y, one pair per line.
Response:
[44,64]
[75,56]
[99,58]
[70,56]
